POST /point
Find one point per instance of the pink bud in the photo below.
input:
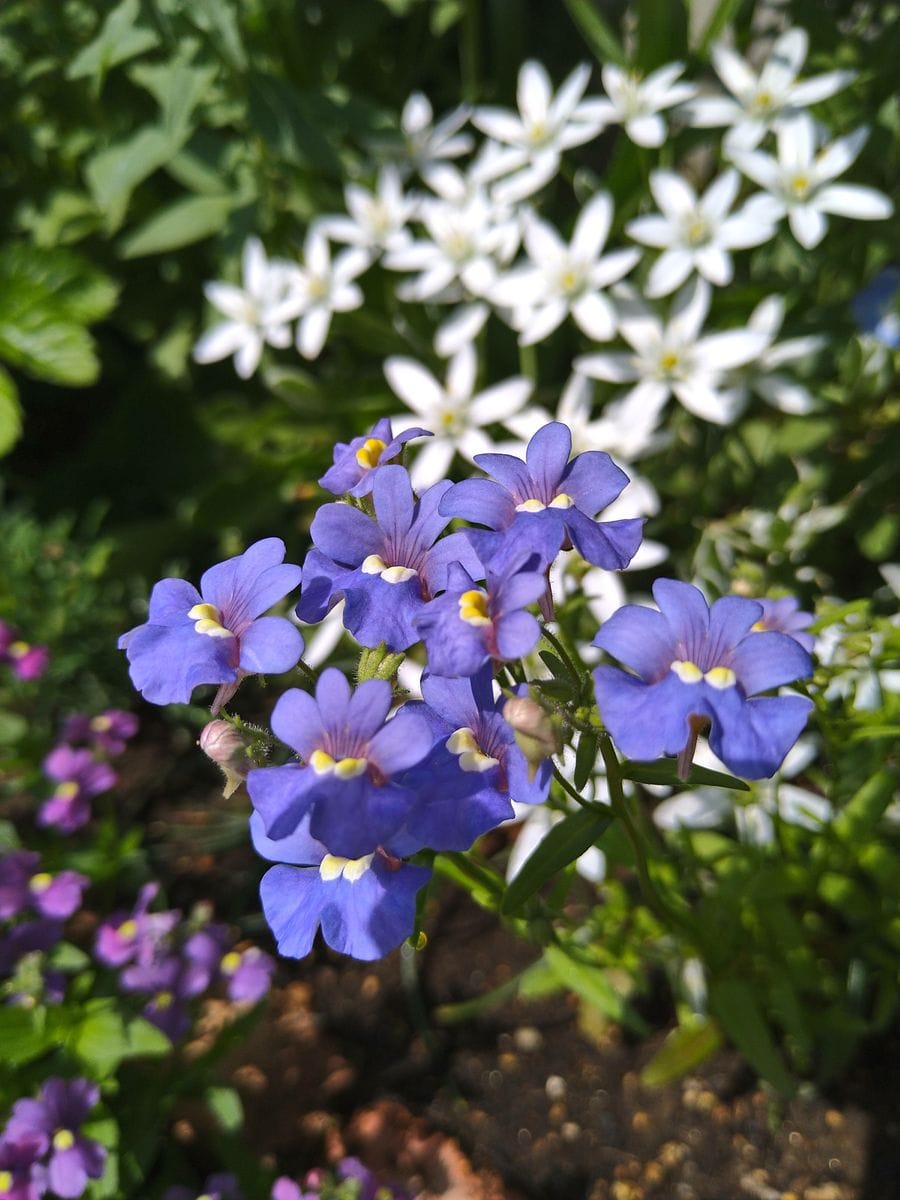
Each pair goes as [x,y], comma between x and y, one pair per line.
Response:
[220,741]
[537,735]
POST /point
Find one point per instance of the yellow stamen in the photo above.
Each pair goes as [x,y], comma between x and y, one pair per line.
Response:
[799,185]
[561,501]
[128,929]
[687,671]
[164,999]
[321,762]
[19,649]
[230,962]
[40,882]
[345,768]
[473,608]
[471,757]
[697,231]
[67,791]
[759,626]
[669,361]
[720,677]
[369,452]
[569,280]
[333,867]
[397,574]
[63,1139]
[101,724]
[531,506]
[6,1181]
[374,564]
[207,619]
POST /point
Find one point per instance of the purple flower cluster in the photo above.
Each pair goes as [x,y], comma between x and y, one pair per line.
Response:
[159,959]
[42,1147]
[348,1170]
[78,765]
[23,659]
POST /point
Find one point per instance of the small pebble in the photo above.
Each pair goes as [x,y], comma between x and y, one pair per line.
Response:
[528,1039]
[555,1087]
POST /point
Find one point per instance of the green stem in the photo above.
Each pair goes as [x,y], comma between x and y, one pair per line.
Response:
[564,653]
[470,52]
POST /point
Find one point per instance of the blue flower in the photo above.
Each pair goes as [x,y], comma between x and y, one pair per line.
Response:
[356,462]
[351,756]
[876,307]
[548,502]
[784,616]
[215,635]
[696,664]
[386,569]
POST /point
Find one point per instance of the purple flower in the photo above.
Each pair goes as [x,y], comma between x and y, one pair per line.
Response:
[248,974]
[170,983]
[215,635]
[286,1189]
[78,777]
[26,938]
[548,502]
[356,462]
[369,1186]
[694,663]
[26,661]
[366,906]
[221,1186]
[23,886]
[351,756]
[108,731]
[469,626]
[56,1118]
[387,568]
[21,1176]
[137,936]
[783,616]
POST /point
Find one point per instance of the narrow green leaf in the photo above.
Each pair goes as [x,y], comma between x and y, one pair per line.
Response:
[585,759]
[591,984]
[683,1050]
[188,220]
[733,1002]
[663,772]
[866,808]
[113,174]
[119,39]
[597,32]
[565,842]
[10,432]
[661,32]
[532,983]
[724,13]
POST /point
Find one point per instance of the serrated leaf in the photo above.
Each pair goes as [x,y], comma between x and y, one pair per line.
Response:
[119,39]
[663,772]
[591,984]
[683,1051]
[733,1003]
[565,842]
[10,432]
[188,220]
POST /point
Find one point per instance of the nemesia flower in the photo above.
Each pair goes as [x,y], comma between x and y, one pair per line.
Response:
[783,616]
[548,500]
[561,279]
[385,569]
[286,1189]
[220,1186]
[351,757]
[535,137]
[215,635]
[21,1175]
[323,287]
[637,102]
[760,101]
[78,776]
[28,937]
[26,661]
[369,1186]
[673,358]
[170,982]
[56,1118]
[378,220]
[799,181]
[247,974]
[876,308]
[697,233]
[356,462]
[695,663]
[136,936]
[428,144]
[228,748]
[258,314]
[454,410]
[23,886]
[107,731]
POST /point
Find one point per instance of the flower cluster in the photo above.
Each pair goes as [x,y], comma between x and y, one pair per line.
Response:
[26,661]
[158,957]
[348,1180]
[43,1148]
[78,765]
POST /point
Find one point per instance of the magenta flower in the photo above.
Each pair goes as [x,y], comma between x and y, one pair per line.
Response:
[216,635]
[55,1118]
[78,777]
[23,886]
[137,936]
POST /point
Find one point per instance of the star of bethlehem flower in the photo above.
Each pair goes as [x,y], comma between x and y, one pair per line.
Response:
[561,279]
[799,180]
[673,358]
[697,233]
[377,219]
[535,137]
[760,101]
[427,144]
[454,410]
[636,102]
[322,287]
[259,313]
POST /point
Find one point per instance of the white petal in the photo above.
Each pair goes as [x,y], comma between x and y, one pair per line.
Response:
[543,243]
[595,316]
[652,230]
[246,360]
[228,299]
[720,195]
[461,374]
[732,70]
[658,86]
[700,397]
[417,114]
[432,462]
[221,341]
[797,142]
[851,200]
[646,131]
[570,92]
[793,349]
[534,829]
[463,325]
[714,264]
[346,297]
[254,267]
[416,387]
[797,806]
[689,310]
[808,225]
[745,135]
[611,267]
[820,87]
[614,368]
[673,194]
[785,60]
[768,316]
[710,112]
[754,825]
[534,91]
[752,225]
[761,168]
[785,394]
[498,403]
[542,322]
[592,227]
[591,865]
[704,808]
[836,158]
[499,123]
[316,255]
[528,181]
[721,351]
[349,264]
[669,271]
[312,331]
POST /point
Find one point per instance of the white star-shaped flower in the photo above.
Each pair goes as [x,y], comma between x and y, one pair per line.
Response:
[696,234]
[259,313]
[637,102]
[673,358]
[453,410]
[759,101]
[561,278]
[799,180]
[378,219]
[324,287]
[427,144]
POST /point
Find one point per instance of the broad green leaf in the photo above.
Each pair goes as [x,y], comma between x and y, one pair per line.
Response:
[188,220]
[286,120]
[734,1004]
[23,1035]
[226,1107]
[145,1040]
[178,87]
[683,1050]
[566,841]
[596,31]
[101,1042]
[592,985]
[10,432]
[219,21]
[119,39]
[113,174]
[663,772]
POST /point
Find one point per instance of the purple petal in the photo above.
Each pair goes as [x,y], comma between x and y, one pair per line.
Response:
[525,787]
[547,456]
[66,1173]
[593,481]
[401,743]
[480,501]
[517,634]
[376,611]
[299,847]
[430,522]
[454,807]
[297,721]
[270,646]
[608,544]
[171,600]
[767,660]
[639,638]
[752,736]
[166,663]
[646,720]
[322,583]
[687,613]
[510,472]
[730,619]
[372,916]
[246,585]
[455,548]
[368,708]
[352,817]
[451,699]
[281,796]
[344,534]
[333,698]
[394,502]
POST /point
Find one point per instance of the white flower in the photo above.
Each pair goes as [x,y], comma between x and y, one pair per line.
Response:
[324,287]
[636,103]
[258,313]
[674,358]
[377,219]
[799,180]
[453,411]
[697,234]
[535,137]
[562,279]
[428,144]
[763,374]
[758,102]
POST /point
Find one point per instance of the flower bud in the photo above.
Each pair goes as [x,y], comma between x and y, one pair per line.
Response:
[220,741]
[537,732]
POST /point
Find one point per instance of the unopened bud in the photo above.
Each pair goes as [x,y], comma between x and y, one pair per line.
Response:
[537,732]
[220,741]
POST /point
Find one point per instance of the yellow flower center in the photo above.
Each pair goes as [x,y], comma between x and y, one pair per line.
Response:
[19,649]
[369,452]
[101,724]
[67,791]
[164,999]
[6,1181]
[128,929]
[721,677]
[344,768]
[63,1139]
[207,619]
[669,361]
[374,564]
[537,132]
[473,608]
[230,962]
[317,288]
[570,280]
[763,101]
[799,185]
[759,626]
[40,882]
[333,867]
[697,231]
[463,744]
[532,506]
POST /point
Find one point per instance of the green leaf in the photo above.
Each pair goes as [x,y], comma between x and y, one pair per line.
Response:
[662,32]
[683,1050]
[862,813]
[723,14]
[178,87]
[597,32]
[287,121]
[113,174]
[585,759]
[663,772]
[23,1035]
[218,20]
[733,1002]
[101,1041]
[145,1040]
[592,985]
[10,432]
[120,39]
[565,842]
[226,1107]
[188,220]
